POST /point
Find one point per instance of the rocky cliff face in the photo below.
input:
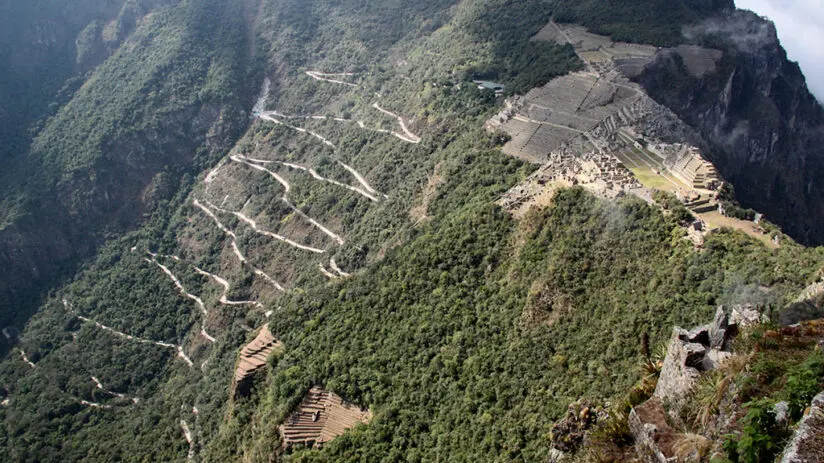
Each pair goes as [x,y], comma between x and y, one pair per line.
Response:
[765,128]
[70,221]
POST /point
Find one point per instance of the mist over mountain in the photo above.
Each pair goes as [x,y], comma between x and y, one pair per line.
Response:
[800,24]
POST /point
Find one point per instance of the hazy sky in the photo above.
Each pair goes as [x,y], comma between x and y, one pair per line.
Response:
[800,26]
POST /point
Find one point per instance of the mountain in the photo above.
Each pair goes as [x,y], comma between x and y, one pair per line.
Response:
[342,230]
[170,93]
[763,124]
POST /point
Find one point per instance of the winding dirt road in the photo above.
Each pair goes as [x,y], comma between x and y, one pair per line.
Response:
[335,267]
[253,224]
[178,285]
[407,135]
[167,345]
[99,385]
[325,272]
[226,286]
[235,248]
[317,176]
[268,115]
[26,358]
[328,77]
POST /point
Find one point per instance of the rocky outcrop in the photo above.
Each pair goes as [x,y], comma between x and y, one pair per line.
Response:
[689,354]
[807,444]
[700,349]
[752,106]
[654,436]
[568,434]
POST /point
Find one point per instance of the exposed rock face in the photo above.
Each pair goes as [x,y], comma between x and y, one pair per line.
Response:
[807,444]
[681,367]
[765,129]
[691,352]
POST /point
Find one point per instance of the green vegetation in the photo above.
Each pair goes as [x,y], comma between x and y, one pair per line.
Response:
[464,331]
[656,22]
[147,109]
[770,365]
[420,338]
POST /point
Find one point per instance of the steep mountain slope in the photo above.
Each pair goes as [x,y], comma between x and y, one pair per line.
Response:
[355,218]
[171,94]
[765,128]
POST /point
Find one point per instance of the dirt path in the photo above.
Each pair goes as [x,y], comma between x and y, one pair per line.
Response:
[326,273]
[226,286]
[329,77]
[94,404]
[26,358]
[167,345]
[360,178]
[112,393]
[235,248]
[253,224]
[360,123]
[314,222]
[335,267]
[317,176]
[187,433]
[269,116]
[178,285]
[409,136]
[248,162]
[183,291]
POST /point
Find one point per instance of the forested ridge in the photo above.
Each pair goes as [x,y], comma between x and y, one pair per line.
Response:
[465,331]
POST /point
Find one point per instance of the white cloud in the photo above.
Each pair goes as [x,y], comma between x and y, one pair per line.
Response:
[800,25]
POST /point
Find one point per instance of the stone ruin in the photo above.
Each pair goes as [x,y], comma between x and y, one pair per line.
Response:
[586,128]
[321,417]
[253,358]
[689,354]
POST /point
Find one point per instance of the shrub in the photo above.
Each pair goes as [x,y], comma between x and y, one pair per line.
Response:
[759,440]
[803,383]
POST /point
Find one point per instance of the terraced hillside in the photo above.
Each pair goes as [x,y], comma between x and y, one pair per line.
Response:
[333,228]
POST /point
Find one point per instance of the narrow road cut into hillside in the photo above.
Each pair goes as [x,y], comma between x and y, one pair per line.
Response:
[235,247]
[226,286]
[167,345]
[330,77]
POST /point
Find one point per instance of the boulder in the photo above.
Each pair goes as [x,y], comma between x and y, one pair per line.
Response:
[781,409]
[719,333]
[713,359]
[746,315]
[681,367]
[654,436]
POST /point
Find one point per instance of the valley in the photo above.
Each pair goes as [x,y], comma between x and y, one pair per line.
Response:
[366,257]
